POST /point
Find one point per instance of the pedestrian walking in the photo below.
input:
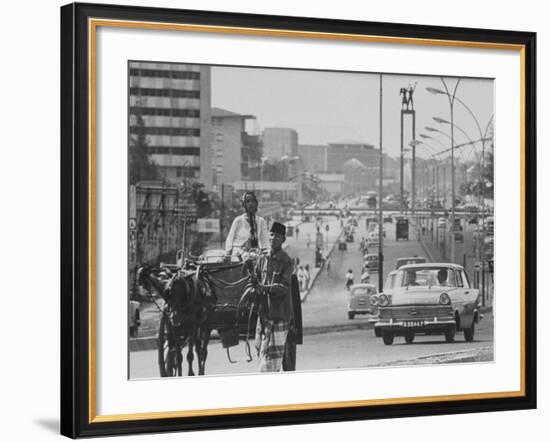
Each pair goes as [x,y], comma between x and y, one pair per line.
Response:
[302,278]
[349,279]
[297,232]
[308,240]
[365,276]
[308,276]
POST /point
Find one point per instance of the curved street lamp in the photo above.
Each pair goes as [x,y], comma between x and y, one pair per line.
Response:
[451,98]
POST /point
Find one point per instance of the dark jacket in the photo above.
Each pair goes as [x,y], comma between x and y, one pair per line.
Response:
[276,271]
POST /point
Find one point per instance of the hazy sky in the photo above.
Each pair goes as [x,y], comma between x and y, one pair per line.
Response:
[328,107]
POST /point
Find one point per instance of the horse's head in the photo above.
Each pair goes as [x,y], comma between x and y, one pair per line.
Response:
[180,290]
[147,279]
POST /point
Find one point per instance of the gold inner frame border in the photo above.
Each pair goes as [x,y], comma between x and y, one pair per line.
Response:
[93,24]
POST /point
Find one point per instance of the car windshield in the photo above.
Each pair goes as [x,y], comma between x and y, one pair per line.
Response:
[428,276]
[372,257]
[390,281]
[404,261]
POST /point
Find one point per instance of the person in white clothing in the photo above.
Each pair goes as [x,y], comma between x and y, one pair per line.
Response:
[247,230]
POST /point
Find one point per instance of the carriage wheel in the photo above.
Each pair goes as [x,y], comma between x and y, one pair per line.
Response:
[169,352]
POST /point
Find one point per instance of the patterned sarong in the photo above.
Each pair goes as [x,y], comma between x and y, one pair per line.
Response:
[271,345]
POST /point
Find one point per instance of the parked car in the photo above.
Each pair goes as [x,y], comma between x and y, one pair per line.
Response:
[359,299]
[442,222]
[133,318]
[409,260]
[428,299]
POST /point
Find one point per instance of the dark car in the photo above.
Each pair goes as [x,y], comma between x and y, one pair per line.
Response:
[371,261]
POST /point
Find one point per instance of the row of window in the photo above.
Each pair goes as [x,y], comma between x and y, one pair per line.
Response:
[155,92]
[165,112]
[175,131]
[165,74]
[161,150]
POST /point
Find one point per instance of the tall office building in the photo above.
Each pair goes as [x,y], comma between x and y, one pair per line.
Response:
[173,100]
[234,151]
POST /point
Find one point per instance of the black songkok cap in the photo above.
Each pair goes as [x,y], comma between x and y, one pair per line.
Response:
[278,228]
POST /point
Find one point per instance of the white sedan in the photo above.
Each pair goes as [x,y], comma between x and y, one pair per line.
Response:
[429,298]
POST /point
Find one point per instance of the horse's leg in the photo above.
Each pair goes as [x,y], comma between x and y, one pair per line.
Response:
[203,349]
[190,352]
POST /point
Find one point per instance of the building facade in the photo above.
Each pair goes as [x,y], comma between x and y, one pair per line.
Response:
[331,183]
[173,102]
[314,157]
[339,153]
[278,142]
[233,150]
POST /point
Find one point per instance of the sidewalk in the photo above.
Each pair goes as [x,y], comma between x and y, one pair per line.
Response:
[297,246]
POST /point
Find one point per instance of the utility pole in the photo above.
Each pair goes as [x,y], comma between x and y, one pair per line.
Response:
[380,215]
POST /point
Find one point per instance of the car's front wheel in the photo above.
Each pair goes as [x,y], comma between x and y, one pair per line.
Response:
[387,337]
[377,332]
[450,334]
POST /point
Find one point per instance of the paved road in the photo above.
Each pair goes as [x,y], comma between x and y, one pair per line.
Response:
[356,348]
[326,304]
[331,340]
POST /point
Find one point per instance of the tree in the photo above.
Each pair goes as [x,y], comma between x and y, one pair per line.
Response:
[141,166]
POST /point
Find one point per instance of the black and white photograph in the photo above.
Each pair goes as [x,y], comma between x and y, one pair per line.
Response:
[302,220]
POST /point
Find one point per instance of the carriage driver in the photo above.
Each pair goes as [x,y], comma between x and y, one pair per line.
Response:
[273,326]
[247,230]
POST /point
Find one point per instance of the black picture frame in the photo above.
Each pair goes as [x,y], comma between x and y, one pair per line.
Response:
[76,406]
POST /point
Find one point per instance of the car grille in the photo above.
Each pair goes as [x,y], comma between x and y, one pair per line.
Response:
[415,312]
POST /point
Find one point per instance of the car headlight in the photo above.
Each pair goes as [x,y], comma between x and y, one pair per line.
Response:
[384,300]
[445,299]
[374,300]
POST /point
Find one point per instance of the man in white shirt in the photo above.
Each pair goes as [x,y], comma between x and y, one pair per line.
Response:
[248,230]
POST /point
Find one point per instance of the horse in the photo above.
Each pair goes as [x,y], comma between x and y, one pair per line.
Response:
[184,318]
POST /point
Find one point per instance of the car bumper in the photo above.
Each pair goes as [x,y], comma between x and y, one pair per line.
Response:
[414,325]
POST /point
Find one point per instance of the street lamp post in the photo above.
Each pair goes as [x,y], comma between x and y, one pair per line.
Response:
[451,99]
[380,189]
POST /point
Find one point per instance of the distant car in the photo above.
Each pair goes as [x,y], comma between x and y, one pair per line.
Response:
[431,298]
[373,239]
[133,318]
[371,261]
[442,222]
[359,299]
[409,260]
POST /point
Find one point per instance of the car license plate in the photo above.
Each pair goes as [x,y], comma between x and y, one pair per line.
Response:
[413,323]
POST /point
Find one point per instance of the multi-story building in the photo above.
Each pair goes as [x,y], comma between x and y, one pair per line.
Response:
[279,142]
[339,153]
[314,157]
[234,151]
[173,101]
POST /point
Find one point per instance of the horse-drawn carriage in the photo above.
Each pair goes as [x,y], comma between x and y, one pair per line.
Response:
[202,295]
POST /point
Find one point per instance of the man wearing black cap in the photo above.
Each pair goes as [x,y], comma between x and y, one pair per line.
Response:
[273,322]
